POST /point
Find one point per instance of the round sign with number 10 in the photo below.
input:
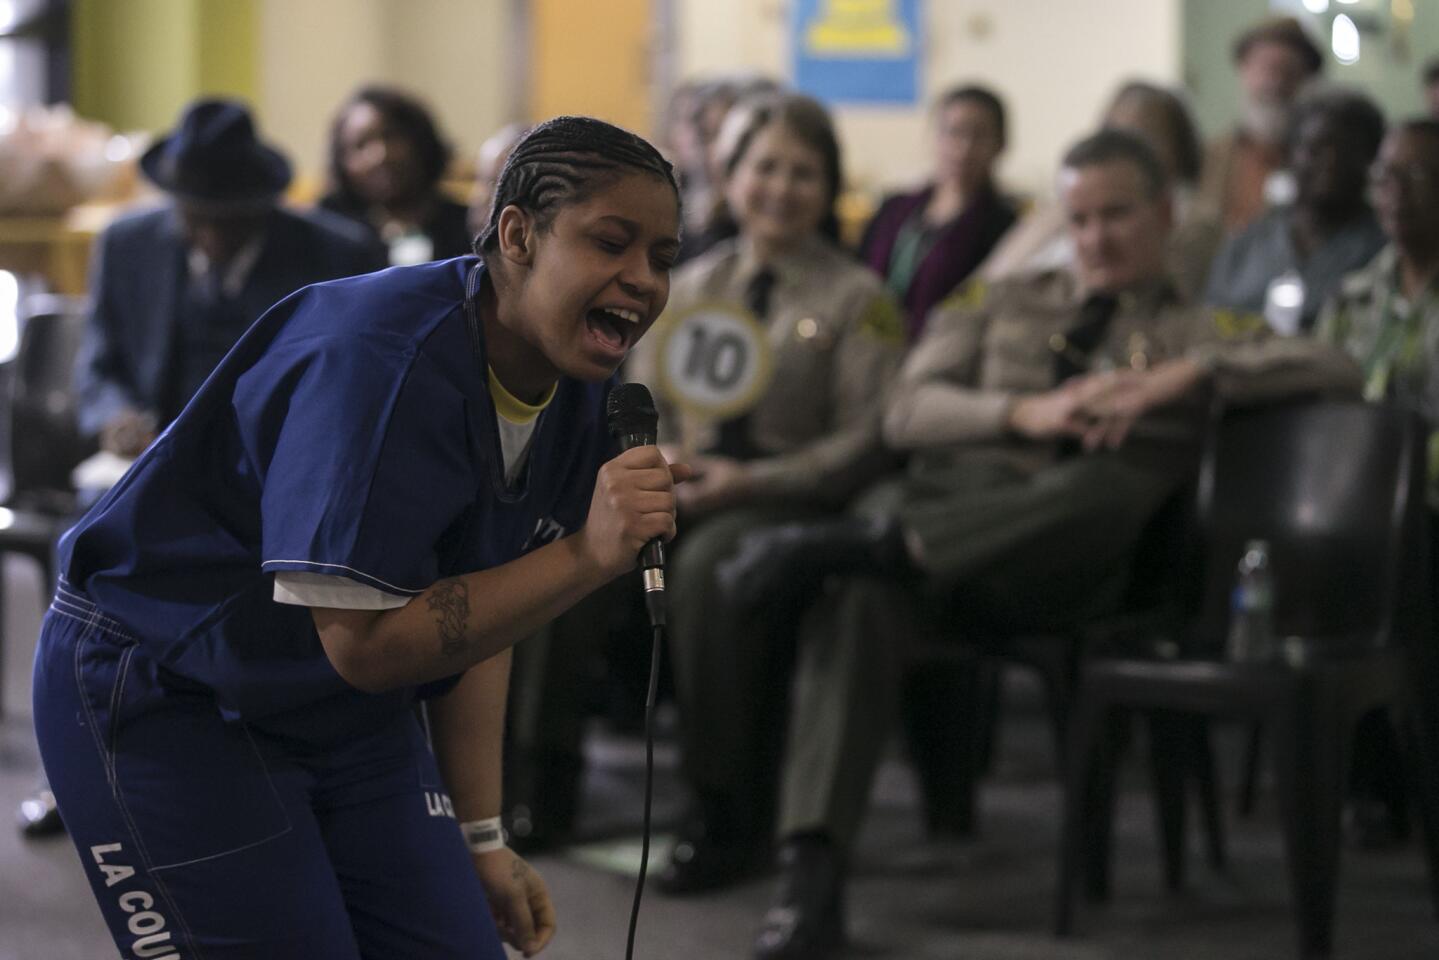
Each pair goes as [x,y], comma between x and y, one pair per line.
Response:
[714,360]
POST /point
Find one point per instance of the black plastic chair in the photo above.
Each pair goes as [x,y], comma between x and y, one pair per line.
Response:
[956,693]
[1338,491]
[42,443]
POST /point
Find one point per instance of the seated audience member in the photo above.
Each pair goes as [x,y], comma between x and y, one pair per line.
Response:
[1041,240]
[386,162]
[1048,418]
[489,161]
[927,242]
[801,444]
[681,137]
[1286,264]
[1160,116]
[1386,316]
[707,219]
[173,289]
[1243,168]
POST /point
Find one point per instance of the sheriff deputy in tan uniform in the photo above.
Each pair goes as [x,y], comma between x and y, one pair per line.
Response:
[771,365]
[1048,419]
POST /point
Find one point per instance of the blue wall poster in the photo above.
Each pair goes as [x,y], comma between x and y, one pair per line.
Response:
[856,51]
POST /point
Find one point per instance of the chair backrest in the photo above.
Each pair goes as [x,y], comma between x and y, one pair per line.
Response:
[43,443]
[1337,489]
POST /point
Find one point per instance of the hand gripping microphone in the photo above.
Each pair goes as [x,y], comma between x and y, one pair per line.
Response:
[634,423]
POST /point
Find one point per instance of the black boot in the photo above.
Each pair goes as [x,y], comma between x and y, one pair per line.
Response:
[790,559]
[806,921]
[717,847]
[944,718]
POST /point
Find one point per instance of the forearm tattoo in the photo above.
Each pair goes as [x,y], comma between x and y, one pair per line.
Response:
[449,601]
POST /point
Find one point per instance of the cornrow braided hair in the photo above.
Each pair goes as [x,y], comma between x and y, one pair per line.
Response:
[562,162]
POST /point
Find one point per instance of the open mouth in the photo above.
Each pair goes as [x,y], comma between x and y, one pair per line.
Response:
[615,328]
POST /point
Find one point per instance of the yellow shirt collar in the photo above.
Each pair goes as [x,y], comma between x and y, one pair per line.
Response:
[511,407]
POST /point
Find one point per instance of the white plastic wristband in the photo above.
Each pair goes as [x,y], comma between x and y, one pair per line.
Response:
[482,836]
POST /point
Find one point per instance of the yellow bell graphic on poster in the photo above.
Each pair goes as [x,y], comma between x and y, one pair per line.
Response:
[863,27]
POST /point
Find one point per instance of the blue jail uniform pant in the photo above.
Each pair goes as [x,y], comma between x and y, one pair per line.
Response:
[206,839]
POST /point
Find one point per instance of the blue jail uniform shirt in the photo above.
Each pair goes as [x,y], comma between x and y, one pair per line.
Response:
[349,432]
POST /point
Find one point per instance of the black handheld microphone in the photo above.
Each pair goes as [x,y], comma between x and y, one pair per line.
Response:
[634,423]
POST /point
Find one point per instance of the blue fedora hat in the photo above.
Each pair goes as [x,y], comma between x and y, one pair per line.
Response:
[214,159]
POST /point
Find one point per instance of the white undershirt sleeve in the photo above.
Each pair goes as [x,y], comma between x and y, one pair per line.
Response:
[333,591]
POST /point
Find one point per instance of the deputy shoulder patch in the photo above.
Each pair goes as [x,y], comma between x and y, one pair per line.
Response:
[968,296]
[883,321]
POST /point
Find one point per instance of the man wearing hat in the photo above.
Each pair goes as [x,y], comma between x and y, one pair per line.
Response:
[1243,168]
[173,289]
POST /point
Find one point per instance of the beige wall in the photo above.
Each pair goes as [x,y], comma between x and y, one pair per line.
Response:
[457,53]
[1054,62]
[314,53]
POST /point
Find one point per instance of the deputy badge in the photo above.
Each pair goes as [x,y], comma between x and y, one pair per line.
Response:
[714,360]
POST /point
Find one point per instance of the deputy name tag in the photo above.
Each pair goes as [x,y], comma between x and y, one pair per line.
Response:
[714,360]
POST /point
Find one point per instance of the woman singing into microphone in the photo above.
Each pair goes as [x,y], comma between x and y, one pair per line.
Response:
[389,481]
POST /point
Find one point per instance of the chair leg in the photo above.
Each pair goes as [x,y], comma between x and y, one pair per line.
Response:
[1249,788]
[1170,749]
[1207,781]
[1310,752]
[1099,804]
[1085,753]
[1059,697]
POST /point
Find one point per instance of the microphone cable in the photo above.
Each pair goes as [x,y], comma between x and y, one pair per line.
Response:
[656,652]
[633,421]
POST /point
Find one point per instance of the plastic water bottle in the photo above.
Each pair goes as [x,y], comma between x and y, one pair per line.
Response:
[1284,303]
[1251,607]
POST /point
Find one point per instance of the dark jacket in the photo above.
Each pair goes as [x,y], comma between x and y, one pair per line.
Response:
[960,247]
[137,286]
